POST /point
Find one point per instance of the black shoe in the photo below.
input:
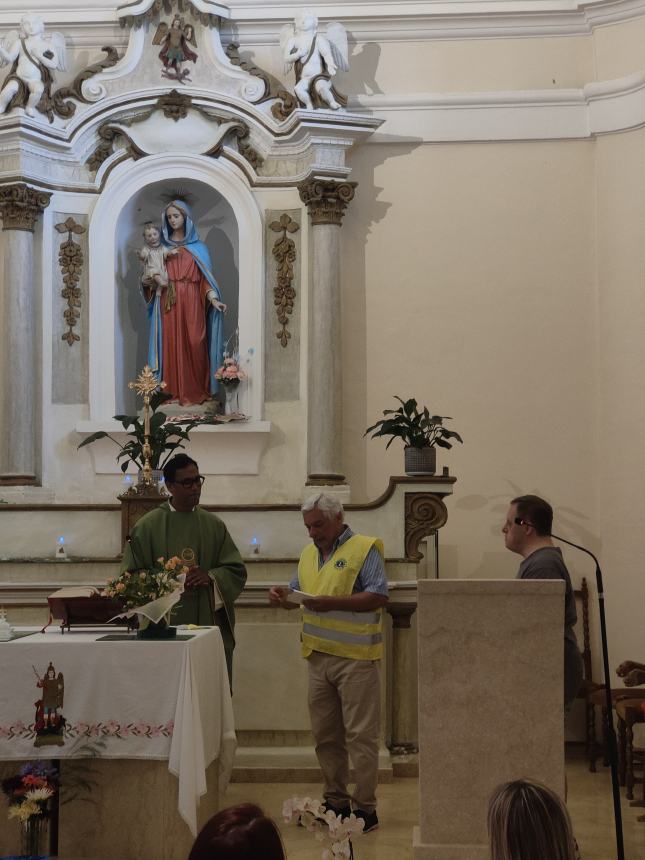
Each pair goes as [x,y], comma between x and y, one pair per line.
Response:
[341,811]
[370,819]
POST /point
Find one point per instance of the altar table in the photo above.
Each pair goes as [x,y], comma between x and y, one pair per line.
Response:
[132,699]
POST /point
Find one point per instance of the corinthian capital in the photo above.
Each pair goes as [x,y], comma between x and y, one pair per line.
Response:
[326,199]
[20,206]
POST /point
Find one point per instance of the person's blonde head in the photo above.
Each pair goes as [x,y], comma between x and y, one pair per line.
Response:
[528,821]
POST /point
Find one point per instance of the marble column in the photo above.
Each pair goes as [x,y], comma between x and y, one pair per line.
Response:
[326,200]
[20,207]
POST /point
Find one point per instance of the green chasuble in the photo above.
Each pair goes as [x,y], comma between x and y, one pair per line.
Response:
[163,533]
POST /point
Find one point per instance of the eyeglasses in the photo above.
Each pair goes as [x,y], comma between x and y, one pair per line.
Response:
[187,483]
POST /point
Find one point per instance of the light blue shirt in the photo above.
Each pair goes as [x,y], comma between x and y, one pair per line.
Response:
[371,576]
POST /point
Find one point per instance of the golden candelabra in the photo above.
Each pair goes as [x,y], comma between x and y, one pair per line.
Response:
[146,385]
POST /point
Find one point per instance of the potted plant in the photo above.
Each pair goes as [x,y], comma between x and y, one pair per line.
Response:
[420,432]
[165,438]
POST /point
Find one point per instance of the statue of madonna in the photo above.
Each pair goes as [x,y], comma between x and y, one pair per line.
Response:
[185,310]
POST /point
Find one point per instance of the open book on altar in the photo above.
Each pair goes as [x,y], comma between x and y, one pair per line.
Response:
[81,605]
[75,591]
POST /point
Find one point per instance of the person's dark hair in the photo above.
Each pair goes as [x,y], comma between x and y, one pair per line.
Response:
[536,512]
[241,832]
[528,821]
[179,461]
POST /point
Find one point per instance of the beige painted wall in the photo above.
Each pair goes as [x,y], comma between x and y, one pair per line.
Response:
[477,285]
[503,284]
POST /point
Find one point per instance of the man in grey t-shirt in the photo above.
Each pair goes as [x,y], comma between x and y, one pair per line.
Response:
[527,531]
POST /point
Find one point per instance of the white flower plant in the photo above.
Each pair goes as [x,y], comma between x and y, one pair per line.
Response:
[325,824]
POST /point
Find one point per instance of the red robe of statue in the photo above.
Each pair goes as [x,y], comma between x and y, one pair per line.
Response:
[185,347]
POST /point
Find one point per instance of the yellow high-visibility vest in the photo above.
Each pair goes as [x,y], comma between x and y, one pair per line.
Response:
[357,635]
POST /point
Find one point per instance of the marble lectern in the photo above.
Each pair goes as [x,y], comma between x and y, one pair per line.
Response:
[490,703]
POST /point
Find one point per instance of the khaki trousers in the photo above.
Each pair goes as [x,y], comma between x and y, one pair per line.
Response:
[344,708]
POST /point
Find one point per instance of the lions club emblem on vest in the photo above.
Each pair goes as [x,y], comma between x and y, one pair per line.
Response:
[341,564]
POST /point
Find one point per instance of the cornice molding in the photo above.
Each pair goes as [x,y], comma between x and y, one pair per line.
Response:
[255,22]
[604,107]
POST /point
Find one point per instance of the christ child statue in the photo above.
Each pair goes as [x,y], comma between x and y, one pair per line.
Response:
[153,255]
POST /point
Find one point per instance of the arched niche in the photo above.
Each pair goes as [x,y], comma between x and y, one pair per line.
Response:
[228,218]
[218,229]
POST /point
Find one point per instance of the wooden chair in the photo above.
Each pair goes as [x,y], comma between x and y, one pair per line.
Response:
[594,693]
[628,713]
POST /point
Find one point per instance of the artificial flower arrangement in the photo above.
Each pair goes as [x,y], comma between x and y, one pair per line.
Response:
[150,593]
[325,824]
[30,790]
[230,372]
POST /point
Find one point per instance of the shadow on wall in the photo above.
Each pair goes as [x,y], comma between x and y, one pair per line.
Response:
[367,209]
[568,522]
[361,77]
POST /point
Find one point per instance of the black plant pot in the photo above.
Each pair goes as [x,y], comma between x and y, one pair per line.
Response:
[157,630]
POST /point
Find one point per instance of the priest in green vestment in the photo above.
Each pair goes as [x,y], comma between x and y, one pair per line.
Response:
[179,527]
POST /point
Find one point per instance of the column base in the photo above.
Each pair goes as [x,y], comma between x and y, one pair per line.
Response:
[326,480]
[340,491]
[9,480]
[430,851]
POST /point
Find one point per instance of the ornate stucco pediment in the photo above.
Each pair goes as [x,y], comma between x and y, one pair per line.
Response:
[174,90]
[175,124]
[137,12]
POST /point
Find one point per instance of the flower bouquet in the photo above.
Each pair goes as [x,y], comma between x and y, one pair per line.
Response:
[29,793]
[151,594]
[325,824]
[230,374]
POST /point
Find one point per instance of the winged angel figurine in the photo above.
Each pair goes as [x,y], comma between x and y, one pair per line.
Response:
[174,41]
[34,57]
[315,58]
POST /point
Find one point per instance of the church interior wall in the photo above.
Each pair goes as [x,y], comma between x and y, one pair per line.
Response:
[499,282]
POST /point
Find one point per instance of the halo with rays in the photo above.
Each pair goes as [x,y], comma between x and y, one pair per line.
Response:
[178,194]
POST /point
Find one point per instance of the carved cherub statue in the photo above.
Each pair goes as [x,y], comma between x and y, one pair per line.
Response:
[316,59]
[34,57]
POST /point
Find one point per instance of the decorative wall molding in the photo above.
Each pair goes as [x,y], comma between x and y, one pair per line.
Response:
[255,22]
[21,205]
[150,139]
[138,12]
[284,253]
[326,200]
[424,514]
[285,103]
[602,107]
[70,258]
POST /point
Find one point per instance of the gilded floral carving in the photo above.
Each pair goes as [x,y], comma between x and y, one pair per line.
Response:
[284,294]
[70,260]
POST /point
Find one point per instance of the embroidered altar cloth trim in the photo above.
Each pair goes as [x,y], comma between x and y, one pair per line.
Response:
[159,700]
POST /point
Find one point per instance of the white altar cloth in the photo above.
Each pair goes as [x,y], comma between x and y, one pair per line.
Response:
[135,699]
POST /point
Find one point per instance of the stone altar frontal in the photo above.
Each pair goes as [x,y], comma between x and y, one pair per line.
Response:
[490,703]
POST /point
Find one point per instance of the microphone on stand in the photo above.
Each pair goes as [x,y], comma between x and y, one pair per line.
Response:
[128,540]
[611,734]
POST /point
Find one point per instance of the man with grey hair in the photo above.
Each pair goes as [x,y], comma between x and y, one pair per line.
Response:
[343,574]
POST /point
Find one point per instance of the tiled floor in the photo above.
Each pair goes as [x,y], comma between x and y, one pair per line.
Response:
[590,805]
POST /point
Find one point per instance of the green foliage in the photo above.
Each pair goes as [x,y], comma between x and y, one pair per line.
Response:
[164,438]
[416,428]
